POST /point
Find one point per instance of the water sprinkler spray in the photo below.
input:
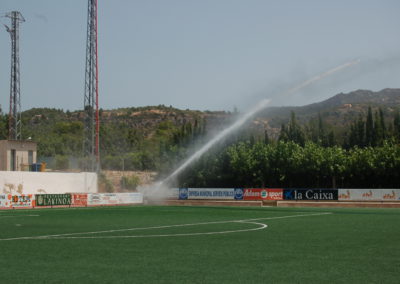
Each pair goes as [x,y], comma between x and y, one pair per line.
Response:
[238,123]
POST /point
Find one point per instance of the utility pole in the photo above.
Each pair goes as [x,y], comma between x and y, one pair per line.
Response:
[91,94]
[14,117]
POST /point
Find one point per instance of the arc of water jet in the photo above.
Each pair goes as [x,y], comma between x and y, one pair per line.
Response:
[321,76]
[260,106]
[219,137]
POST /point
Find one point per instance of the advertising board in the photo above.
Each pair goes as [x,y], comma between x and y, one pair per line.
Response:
[263,194]
[183,193]
[4,201]
[109,198]
[130,198]
[239,194]
[170,193]
[390,194]
[23,200]
[53,199]
[207,193]
[79,199]
[359,194]
[310,194]
[94,199]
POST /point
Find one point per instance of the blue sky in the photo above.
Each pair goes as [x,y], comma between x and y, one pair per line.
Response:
[204,54]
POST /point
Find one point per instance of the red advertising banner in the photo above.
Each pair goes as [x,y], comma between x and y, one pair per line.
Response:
[263,194]
[275,194]
[79,199]
[22,200]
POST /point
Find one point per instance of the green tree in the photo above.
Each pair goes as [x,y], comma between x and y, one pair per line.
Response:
[322,136]
[283,135]
[383,124]
[378,130]
[295,132]
[267,140]
[369,128]
[3,126]
[396,124]
[360,131]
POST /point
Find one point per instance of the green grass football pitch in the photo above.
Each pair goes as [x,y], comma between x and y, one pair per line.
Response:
[157,244]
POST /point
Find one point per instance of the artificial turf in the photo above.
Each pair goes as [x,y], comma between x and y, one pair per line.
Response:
[347,246]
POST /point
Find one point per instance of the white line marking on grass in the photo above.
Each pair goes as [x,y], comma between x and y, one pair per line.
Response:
[245,221]
[11,216]
[261,226]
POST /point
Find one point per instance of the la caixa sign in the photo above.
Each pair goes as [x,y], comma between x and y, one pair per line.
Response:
[310,194]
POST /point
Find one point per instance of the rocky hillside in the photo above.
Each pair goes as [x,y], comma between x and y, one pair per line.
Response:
[339,111]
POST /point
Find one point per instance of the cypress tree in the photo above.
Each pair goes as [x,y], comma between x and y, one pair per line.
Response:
[378,131]
[396,124]
[369,128]
[283,136]
[321,132]
[360,132]
[266,137]
[295,132]
[331,139]
[352,136]
[312,130]
[383,126]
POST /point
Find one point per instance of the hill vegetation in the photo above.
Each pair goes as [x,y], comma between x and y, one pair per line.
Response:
[343,141]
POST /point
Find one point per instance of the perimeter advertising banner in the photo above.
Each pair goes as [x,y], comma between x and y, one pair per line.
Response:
[263,194]
[358,194]
[79,199]
[171,193]
[390,194]
[109,198]
[94,199]
[4,201]
[130,198]
[310,194]
[23,200]
[102,199]
[207,193]
[53,199]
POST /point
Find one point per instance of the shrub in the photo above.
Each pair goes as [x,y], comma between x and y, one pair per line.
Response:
[130,182]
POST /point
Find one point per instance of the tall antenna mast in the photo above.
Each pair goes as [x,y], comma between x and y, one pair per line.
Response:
[91,96]
[14,118]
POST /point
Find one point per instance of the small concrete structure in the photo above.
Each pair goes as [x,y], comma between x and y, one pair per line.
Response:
[17,155]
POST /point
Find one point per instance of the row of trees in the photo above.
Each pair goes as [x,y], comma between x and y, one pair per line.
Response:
[367,130]
[368,155]
[288,164]
[372,130]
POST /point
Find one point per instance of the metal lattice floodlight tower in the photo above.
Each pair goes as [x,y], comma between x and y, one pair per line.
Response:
[14,120]
[91,97]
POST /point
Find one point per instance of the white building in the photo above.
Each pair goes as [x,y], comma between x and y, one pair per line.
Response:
[17,155]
